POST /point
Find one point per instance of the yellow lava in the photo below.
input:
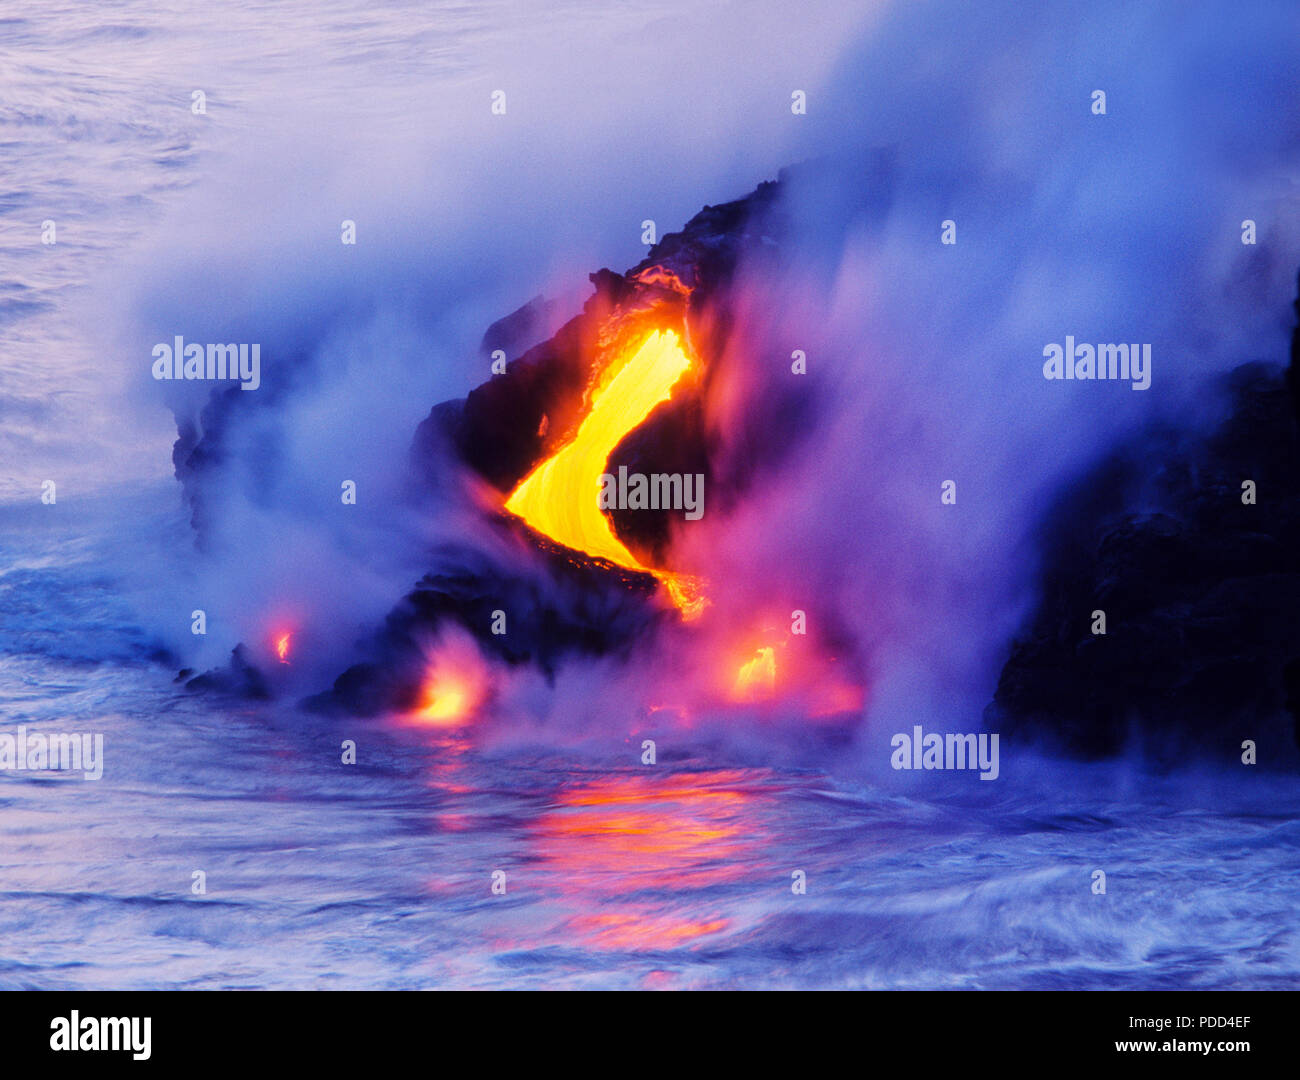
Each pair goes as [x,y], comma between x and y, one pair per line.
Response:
[757,678]
[561,497]
[445,703]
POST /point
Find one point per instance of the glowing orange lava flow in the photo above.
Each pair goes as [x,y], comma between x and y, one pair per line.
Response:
[448,700]
[560,498]
[457,683]
[757,678]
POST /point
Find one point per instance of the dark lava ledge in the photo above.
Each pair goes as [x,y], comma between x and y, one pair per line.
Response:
[1201,594]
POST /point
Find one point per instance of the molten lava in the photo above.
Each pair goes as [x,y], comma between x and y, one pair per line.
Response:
[282,648]
[447,700]
[456,684]
[560,498]
[757,678]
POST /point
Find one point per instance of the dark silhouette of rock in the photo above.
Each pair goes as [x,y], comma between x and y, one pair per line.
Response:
[522,328]
[516,419]
[573,607]
[1293,371]
[1201,595]
[239,678]
[566,603]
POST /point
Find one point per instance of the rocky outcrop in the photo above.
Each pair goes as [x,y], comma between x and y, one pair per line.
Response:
[571,607]
[238,678]
[562,603]
[1201,594]
[517,418]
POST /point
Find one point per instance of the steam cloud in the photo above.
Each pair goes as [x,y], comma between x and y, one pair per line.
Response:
[924,359]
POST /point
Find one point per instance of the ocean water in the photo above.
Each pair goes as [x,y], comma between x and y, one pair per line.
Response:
[379,874]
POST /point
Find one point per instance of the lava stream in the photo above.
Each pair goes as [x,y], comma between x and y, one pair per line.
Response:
[560,498]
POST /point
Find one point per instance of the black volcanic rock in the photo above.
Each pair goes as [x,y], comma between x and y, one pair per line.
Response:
[522,328]
[575,606]
[1201,595]
[507,425]
[516,419]
[1293,372]
[239,678]
[512,421]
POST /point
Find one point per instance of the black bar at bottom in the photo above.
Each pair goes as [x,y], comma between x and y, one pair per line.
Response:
[338,1030]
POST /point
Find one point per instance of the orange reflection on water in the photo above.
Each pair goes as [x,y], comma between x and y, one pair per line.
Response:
[624,931]
[633,851]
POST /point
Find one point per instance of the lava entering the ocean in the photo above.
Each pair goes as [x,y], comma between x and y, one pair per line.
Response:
[560,498]
[450,695]
[457,683]
[756,679]
[448,700]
